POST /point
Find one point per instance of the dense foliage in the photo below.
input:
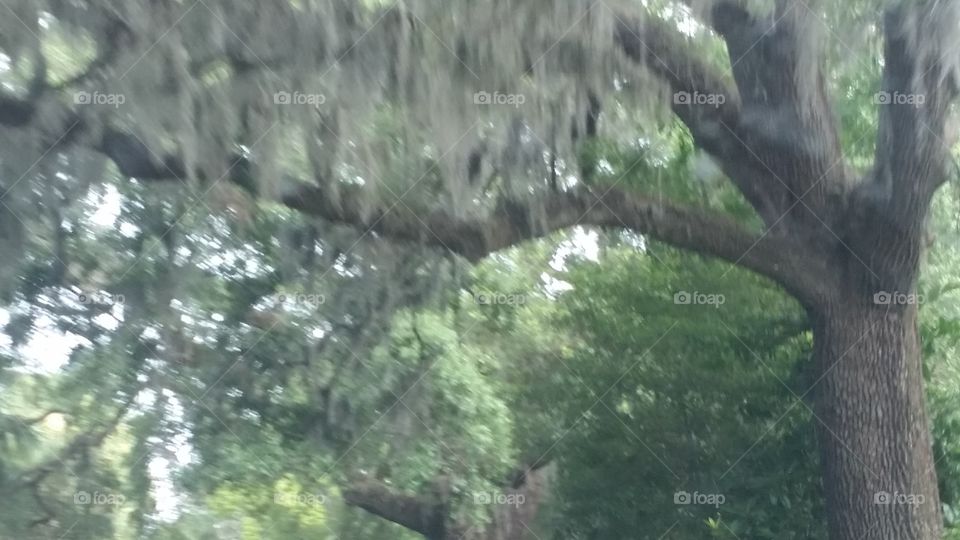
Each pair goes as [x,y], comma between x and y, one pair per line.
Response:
[192,359]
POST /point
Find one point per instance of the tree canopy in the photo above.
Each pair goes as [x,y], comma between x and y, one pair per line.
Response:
[490,269]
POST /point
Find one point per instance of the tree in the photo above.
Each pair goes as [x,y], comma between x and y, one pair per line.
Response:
[843,239]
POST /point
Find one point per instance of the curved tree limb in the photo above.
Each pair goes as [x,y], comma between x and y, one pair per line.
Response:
[415,513]
[525,490]
[513,222]
[698,230]
[694,229]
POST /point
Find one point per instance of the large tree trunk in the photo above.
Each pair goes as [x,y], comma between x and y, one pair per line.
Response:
[874,436]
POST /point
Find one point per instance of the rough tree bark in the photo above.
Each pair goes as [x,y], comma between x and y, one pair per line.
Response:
[875,444]
[832,240]
[877,459]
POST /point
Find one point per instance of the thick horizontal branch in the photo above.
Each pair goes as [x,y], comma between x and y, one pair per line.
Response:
[658,45]
[430,515]
[694,229]
[382,500]
[698,230]
[512,222]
